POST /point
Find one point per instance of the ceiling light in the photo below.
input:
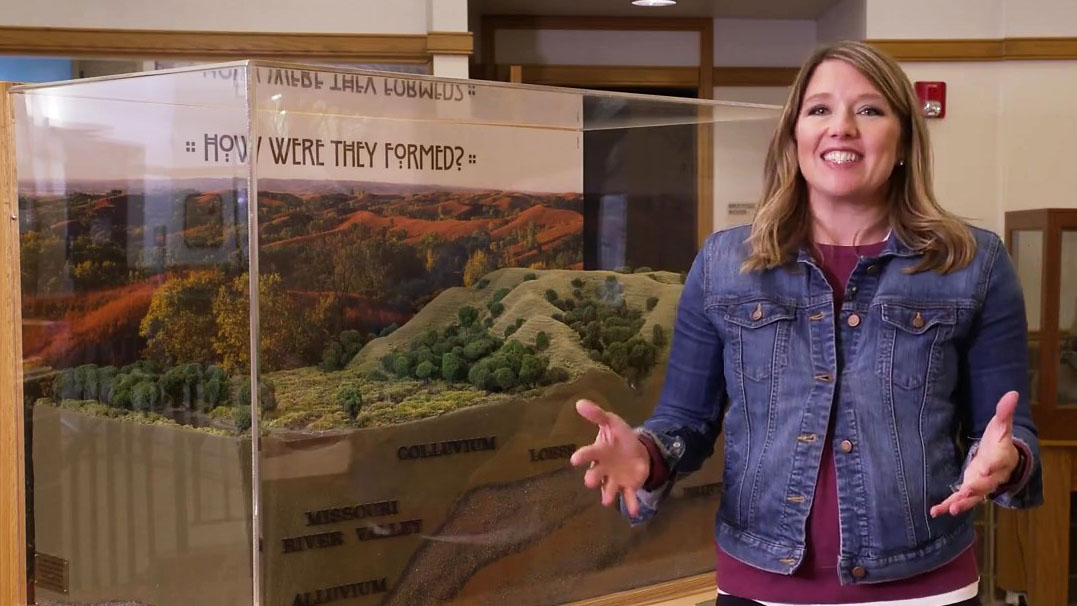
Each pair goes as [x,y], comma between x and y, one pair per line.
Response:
[654,2]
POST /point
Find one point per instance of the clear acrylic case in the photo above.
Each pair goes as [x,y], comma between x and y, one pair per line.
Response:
[428,273]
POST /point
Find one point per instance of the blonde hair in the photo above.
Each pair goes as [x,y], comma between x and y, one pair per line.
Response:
[783,221]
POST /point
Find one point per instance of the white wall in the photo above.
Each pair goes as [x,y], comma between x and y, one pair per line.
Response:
[740,148]
[354,16]
[1037,133]
[739,151]
[932,19]
[1039,18]
[762,43]
[966,142]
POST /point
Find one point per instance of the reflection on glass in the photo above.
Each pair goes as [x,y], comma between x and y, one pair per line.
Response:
[139,489]
[1067,321]
[1028,262]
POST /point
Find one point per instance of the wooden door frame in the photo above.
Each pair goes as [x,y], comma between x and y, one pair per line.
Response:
[13,577]
[663,76]
[700,77]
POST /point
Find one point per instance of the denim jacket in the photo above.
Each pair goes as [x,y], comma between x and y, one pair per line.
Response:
[910,372]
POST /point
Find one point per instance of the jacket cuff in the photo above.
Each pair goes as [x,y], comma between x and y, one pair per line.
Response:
[659,472]
[665,451]
[1021,474]
[1024,489]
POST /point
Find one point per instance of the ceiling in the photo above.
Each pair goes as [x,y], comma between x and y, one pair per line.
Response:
[727,9]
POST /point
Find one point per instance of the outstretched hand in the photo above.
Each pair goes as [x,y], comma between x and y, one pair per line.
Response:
[991,467]
[619,463]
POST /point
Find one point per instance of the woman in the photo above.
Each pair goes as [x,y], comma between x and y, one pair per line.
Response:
[866,353]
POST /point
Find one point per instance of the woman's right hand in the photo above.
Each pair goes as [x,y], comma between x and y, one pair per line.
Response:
[619,463]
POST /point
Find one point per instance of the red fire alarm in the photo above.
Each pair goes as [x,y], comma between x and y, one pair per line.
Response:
[932,96]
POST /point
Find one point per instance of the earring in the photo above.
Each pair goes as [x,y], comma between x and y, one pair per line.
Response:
[901,163]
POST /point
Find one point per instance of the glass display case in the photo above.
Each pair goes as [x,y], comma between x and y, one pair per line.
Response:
[1043,244]
[299,335]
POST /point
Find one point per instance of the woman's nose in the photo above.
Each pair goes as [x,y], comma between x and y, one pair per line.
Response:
[842,125]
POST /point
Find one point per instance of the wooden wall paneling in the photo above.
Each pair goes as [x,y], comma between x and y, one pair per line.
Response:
[941,50]
[754,76]
[12,505]
[449,43]
[1033,544]
[1047,551]
[219,45]
[994,49]
[605,76]
[643,75]
[1011,543]
[1049,340]
[660,24]
[705,141]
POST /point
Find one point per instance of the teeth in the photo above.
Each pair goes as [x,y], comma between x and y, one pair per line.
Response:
[841,157]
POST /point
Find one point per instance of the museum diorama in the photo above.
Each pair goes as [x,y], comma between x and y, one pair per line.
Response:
[302,335]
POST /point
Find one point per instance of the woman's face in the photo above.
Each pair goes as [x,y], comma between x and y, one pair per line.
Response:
[847,137]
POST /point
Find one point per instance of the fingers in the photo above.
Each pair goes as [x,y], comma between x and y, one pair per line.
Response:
[957,503]
[977,486]
[609,492]
[611,431]
[631,503]
[944,507]
[1004,411]
[963,500]
[592,412]
[587,454]
[594,477]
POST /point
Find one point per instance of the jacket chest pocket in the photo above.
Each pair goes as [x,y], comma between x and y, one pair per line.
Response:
[759,335]
[909,343]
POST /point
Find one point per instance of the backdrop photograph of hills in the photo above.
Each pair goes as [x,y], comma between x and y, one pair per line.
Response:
[379,303]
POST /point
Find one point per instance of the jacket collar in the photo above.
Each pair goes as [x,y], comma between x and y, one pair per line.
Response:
[894,248]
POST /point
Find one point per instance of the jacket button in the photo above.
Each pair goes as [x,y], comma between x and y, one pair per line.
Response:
[854,320]
[757,313]
[918,321]
[846,446]
[873,269]
[859,572]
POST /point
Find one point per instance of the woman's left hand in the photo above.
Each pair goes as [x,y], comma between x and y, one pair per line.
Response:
[994,463]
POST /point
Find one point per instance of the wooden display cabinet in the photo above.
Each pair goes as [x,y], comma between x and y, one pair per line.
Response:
[1043,244]
[1034,545]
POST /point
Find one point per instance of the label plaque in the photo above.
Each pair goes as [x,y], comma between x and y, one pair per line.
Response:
[50,572]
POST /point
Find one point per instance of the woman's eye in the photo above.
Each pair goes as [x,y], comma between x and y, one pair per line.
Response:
[871,111]
[817,110]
